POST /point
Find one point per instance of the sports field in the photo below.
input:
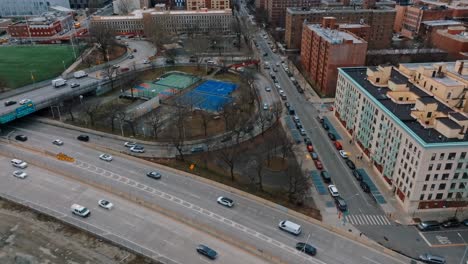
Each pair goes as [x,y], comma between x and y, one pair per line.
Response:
[18,63]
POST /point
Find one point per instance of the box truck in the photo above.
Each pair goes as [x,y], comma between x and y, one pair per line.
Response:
[58,82]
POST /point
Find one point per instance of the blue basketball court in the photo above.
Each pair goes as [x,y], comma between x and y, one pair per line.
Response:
[210,95]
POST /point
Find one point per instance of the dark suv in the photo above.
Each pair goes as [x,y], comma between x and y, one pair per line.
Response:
[21,138]
[8,103]
[83,138]
[357,175]
[206,251]
[341,204]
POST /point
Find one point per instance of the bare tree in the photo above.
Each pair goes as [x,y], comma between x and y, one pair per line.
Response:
[103,36]
[154,30]
[205,119]
[259,166]
[263,121]
[226,112]
[91,109]
[277,110]
[155,121]
[229,156]
[237,29]
[121,115]
[178,135]
[298,185]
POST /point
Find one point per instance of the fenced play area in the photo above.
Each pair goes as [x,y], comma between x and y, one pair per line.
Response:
[165,87]
[211,95]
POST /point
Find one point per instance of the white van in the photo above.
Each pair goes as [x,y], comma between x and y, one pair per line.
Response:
[79,74]
[19,163]
[80,210]
[290,227]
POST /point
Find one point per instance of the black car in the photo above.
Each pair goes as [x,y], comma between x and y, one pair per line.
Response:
[365,187]
[350,164]
[265,54]
[307,141]
[154,174]
[325,176]
[325,126]
[341,204]
[298,125]
[465,222]
[332,136]
[287,105]
[453,222]
[306,248]
[83,138]
[170,61]
[357,175]
[21,138]
[206,251]
[8,103]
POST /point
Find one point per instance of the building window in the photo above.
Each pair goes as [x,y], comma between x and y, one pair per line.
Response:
[449,195]
[442,186]
[439,166]
[429,197]
[452,155]
[439,196]
[459,165]
[452,185]
[430,167]
[442,155]
[425,186]
[448,166]
[455,175]
[432,187]
[445,176]
[462,155]
[436,176]
[421,198]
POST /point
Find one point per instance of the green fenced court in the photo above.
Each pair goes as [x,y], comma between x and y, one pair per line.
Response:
[177,80]
[19,65]
[165,87]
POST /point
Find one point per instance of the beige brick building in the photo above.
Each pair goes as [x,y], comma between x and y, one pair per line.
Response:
[411,122]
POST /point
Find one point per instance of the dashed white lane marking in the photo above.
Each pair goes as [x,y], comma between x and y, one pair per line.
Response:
[161,194]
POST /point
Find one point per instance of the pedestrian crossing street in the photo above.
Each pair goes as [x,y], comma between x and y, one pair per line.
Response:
[368,219]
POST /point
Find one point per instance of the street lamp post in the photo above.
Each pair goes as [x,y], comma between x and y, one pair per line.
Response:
[466,248]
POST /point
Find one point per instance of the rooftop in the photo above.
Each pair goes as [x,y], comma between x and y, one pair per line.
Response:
[435,23]
[338,9]
[138,14]
[403,112]
[334,36]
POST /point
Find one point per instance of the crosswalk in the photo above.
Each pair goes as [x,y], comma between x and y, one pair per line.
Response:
[368,219]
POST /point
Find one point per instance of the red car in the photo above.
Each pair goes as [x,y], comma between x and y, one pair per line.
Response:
[310,148]
[338,145]
[318,164]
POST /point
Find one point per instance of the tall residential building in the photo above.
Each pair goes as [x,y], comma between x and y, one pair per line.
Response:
[324,49]
[454,40]
[409,19]
[11,8]
[277,9]
[411,122]
[170,21]
[210,4]
[380,20]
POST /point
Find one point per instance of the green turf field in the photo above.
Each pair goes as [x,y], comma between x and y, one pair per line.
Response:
[45,62]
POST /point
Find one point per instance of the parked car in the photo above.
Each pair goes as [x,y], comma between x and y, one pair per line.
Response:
[83,138]
[432,259]
[325,126]
[287,105]
[333,190]
[343,154]
[265,106]
[465,222]
[429,225]
[20,174]
[154,174]
[105,204]
[350,164]
[306,248]
[206,251]
[338,145]
[9,102]
[310,148]
[105,157]
[314,155]
[331,136]
[307,141]
[57,142]
[302,132]
[364,186]
[452,222]
[318,164]
[225,201]
[21,138]
[341,204]
[357,175]
[325,176]
[268,88]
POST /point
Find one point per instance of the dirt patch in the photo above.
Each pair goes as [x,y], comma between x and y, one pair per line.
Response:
[35,238]
[277,164]
[96,57]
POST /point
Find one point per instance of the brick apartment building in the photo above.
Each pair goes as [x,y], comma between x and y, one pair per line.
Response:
[210,4]
[40,27]
[277,9]
[454,40]
[409,19]
[324,49]
[411,122]
[379,19]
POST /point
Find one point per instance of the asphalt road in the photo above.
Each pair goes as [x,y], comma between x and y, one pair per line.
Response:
[249,221]
[140,225]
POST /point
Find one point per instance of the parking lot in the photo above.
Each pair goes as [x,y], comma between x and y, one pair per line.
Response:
[446,237]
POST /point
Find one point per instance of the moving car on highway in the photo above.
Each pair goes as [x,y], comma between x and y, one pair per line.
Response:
[207,252]
[20,174]
[154,174]
[306,248]
[105,157]
[225,201]
[57,142]
[105,204]
[80,210]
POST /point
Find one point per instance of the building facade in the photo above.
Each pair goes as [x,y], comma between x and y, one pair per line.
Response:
[454,40]
[380,20]
[210,4]
[40,27]
[12,8]
[277,9]
[411,123]
[324,49]
[82,4]
[198,21]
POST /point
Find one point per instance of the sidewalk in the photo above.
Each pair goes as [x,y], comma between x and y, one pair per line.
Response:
[392,208]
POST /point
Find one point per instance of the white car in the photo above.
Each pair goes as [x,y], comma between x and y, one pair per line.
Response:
[137,149]
[333,190]
[20,174]
[146,61]
[268,89]
[80,210]
[57,142]
[343,154]
[24,101]
[105,157]
[265,106]
[277,85]
[130,144]
[303,132]
[225,201]
[105,204]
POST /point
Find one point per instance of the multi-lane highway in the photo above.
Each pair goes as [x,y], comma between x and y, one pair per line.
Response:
[249,221]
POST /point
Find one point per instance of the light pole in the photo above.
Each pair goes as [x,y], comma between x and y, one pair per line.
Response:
[466,248]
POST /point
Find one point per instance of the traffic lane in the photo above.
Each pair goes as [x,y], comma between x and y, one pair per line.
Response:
[456,237]
[167,236]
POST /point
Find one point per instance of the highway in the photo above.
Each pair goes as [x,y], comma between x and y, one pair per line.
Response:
[249,221]
[159,235]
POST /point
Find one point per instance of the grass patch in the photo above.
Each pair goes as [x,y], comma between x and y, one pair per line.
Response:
[44,61]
